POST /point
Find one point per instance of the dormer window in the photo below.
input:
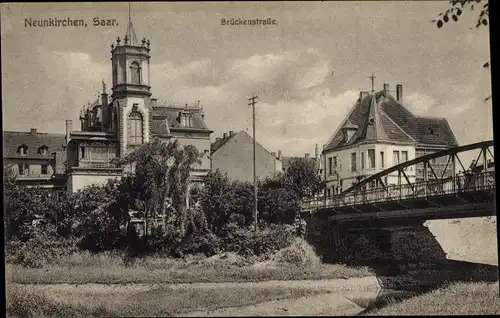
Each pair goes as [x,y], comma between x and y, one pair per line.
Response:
[43,150]
[349,130]
[185,119]
[22,150]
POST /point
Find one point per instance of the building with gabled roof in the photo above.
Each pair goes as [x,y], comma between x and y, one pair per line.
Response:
[233,155]
[37,158]
[379,132]
[115,124]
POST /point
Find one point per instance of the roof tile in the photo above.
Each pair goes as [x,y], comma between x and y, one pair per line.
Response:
[398,123]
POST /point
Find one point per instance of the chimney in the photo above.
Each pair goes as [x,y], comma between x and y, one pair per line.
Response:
[316,152]
[224,135]
[386,89]
[33,131]
[399,93]
[154,102]
[279,154]
[273,154]
[69,128]
[231,133]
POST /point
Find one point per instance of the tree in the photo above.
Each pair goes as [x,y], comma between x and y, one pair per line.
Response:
[94,215]
[456,11]
[26,208]
[282,193]
[224,200]
[160,179]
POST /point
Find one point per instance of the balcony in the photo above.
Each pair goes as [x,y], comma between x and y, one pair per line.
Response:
[34,176]
[96,164]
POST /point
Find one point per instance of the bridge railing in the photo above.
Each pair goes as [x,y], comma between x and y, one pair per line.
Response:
[430,188]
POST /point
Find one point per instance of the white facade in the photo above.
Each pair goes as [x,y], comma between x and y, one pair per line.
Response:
[344,166]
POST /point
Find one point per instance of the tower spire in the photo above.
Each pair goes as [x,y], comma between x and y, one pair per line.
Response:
[130,36]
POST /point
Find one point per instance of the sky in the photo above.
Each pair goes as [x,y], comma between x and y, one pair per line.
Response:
[307,70]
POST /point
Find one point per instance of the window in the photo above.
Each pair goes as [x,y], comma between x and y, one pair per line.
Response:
[395,157]
[186,120]
[135,73]
[362,161]
[381,159]
[353,161]
[404,156]
[82,152]
[22,150]
[45,169]
[372,184]
[335,162]
[371,158]
[330,165]
[42,150]
[134,128]
[23,169]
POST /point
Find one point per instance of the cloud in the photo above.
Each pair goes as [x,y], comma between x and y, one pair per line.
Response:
[419,103]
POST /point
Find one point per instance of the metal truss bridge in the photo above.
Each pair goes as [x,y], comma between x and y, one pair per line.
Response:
[457,192]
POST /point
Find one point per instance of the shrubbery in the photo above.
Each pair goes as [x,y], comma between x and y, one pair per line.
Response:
[42,227]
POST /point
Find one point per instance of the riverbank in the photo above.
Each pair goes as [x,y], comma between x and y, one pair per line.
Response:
[473,298]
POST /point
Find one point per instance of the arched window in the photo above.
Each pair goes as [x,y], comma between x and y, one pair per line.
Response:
[134,128]
[135,73]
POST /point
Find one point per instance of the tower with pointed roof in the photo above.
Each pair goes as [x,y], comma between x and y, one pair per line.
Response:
[130,62]
[115,124]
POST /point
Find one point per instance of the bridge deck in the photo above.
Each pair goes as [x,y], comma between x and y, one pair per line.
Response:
[463,196]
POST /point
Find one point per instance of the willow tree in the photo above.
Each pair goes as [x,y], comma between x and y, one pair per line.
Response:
[159,180]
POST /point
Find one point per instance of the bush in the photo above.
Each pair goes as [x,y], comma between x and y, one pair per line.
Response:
[45,248]
[204,243]
[266,241]
[300,253]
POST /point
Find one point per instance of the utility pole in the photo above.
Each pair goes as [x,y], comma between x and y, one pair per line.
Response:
[252,102]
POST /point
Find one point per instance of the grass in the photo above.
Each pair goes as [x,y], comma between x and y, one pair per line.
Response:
[27,301]
[108,268]
[478,298]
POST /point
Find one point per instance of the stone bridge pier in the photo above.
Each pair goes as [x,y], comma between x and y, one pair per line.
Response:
[374,243]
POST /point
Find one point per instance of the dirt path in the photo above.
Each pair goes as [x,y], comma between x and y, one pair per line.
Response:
[324,304]
[335,302]
[358,284]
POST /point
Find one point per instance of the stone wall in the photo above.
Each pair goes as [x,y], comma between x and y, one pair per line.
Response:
[338,243]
